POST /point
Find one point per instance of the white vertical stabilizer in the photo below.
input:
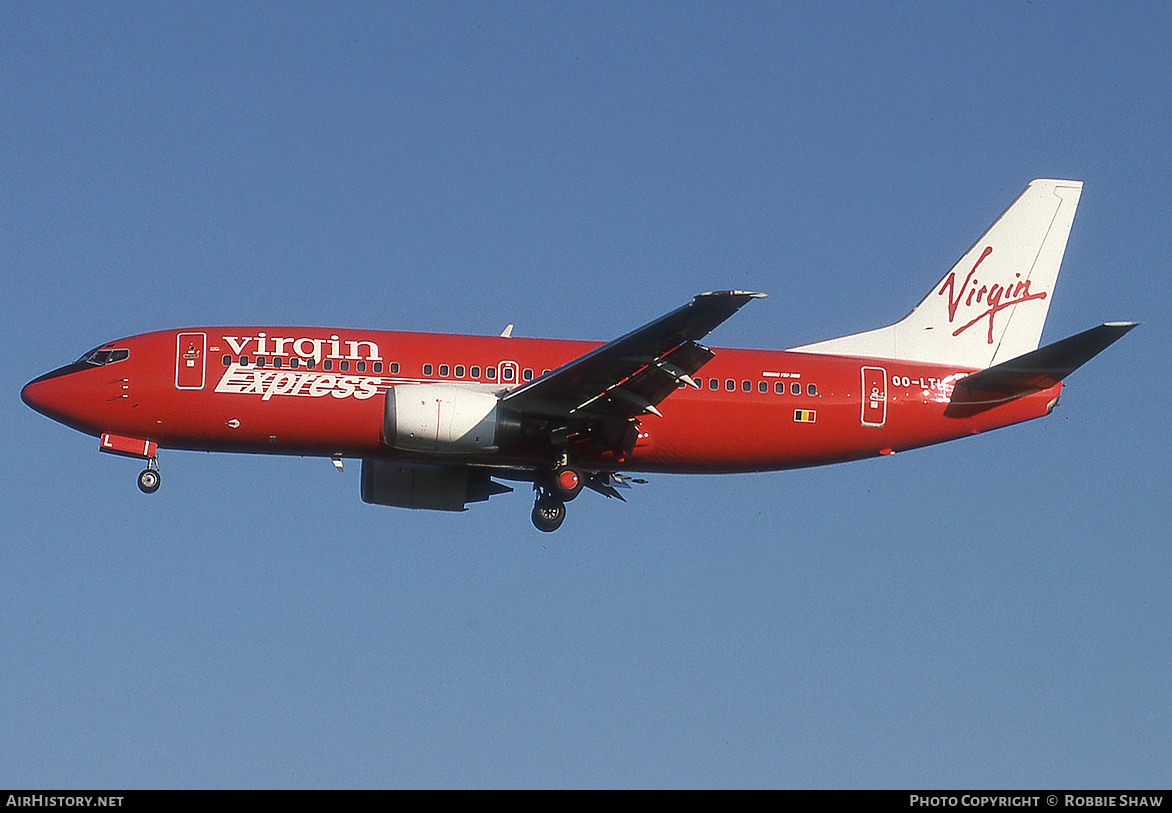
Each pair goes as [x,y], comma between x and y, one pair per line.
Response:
[992,305]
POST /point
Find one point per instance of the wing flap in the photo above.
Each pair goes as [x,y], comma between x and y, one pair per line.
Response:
[658,379]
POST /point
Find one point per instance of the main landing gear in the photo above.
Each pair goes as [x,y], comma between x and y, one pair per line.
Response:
[548,513]
[148,478]
[554,490]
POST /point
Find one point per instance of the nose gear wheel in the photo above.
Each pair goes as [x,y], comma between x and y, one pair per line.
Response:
[148,478]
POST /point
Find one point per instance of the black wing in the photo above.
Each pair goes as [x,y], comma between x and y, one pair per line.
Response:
[632,374]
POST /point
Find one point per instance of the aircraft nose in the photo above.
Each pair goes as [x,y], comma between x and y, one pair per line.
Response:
[38,394]
[34,394]
[52,393]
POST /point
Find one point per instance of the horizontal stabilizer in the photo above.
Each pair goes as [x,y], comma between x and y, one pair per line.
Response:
[1037,370]
[1043,368]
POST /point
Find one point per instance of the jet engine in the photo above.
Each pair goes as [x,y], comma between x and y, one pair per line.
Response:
[442,419]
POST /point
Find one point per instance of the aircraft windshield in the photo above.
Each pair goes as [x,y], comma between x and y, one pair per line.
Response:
[104,355]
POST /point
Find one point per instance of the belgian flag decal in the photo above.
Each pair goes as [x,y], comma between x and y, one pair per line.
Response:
[805,415]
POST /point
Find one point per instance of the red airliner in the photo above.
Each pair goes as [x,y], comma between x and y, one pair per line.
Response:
[438,420]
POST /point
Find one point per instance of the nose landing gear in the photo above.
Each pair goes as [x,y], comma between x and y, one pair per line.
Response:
[148,478]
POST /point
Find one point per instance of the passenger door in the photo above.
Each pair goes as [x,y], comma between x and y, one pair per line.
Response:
[874,396]
[190,360]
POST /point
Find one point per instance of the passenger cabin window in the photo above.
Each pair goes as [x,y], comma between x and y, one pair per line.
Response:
[779,388]
[294,363]
[490,373]
[527,374]
[459,371]
[795,388]
[395,367]
[811,389]
[747,385]
[360,366]
[729,384]
[443,371]
[328,364]
[227,360]
[260,361]
[343,365]
[277,362]
[762,386]
[474,372]
[427,369]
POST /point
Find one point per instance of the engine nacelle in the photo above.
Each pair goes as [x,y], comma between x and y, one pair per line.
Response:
[415,485]
[438,418]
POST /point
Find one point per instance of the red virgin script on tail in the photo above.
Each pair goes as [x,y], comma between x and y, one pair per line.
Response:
[994,298]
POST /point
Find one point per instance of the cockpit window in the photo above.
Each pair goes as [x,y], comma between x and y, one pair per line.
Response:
[104,355]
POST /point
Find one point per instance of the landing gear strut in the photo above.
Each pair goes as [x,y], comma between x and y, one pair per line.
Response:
[148,478]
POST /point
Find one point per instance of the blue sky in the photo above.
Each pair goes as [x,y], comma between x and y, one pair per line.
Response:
[987,613]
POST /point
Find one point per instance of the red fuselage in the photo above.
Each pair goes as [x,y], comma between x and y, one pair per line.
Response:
[314,391]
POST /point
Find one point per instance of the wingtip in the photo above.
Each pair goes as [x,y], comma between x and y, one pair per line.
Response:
[749,294]
[1057,182]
